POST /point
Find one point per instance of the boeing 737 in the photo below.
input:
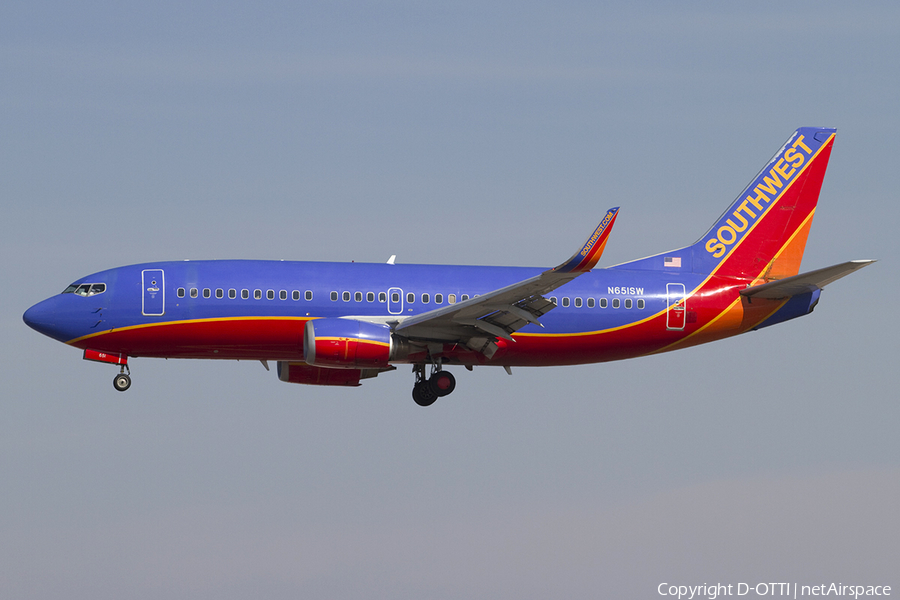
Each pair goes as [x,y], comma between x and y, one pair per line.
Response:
[338,324]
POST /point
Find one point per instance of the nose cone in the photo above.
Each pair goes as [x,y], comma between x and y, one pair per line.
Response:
[47,318]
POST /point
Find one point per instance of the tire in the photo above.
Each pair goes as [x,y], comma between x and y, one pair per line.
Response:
[442,383]
[121,382]
[423,395]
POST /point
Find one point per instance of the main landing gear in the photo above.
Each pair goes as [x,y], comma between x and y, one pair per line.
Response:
[440,384]
[122,381]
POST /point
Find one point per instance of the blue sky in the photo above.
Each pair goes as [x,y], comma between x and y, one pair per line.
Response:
[472,133]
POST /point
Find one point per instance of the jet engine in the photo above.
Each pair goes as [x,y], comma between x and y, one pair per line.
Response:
[351,344]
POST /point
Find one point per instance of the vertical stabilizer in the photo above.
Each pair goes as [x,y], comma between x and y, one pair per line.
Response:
[763,233]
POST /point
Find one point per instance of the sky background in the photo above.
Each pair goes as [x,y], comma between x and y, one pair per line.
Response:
[467,133]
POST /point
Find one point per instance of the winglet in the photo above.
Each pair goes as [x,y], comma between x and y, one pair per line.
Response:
[585,259]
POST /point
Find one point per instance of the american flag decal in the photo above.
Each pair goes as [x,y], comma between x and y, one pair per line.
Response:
[673,261]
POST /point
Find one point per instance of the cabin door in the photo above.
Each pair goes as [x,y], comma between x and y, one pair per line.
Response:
[675,314]
[153,303]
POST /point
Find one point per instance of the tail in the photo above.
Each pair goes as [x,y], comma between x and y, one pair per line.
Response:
[763,233]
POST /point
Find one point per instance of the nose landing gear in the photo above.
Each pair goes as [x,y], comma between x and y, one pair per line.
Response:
[426,391]
[122,381]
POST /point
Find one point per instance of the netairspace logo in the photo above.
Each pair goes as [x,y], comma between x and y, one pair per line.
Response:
[791,590]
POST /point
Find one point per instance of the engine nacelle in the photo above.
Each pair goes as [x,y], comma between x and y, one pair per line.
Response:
[303,373]
[350,344]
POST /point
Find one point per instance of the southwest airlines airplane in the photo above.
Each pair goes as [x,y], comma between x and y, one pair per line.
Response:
[336,324]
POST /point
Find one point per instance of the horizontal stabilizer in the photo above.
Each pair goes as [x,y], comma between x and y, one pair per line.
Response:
[805,282]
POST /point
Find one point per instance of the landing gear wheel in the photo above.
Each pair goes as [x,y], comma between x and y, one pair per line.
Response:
[442,383]
[423,394]
[121,382]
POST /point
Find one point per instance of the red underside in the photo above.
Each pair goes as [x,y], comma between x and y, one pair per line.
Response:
[231,339]
[274,339]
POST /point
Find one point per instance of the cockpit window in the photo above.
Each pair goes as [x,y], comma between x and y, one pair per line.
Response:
[85,289]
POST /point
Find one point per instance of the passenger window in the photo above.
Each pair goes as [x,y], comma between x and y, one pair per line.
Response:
[565,301]
[193,292]
[257,294]
[425,298]
[590,303]
[180,292]
[283,294]
[358,296]
[308,295]
[464,297]
[395,297]
[382,297]
[627,302]
[245,294]
[220,293]
[334,296]
[410,298]
[553,300]
[370,296]
[451,298]
[295,295]
[232,293]
[577,302]
[615,303]
[604,303]
[345,296]
[438,298]
[206,293]
[641,304]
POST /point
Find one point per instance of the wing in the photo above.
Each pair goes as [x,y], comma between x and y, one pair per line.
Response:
[480,321]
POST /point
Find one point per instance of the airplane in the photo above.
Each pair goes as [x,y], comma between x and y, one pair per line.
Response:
[337,324]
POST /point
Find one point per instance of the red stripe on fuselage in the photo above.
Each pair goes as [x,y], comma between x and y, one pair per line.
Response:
[234,338]
[282,338]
